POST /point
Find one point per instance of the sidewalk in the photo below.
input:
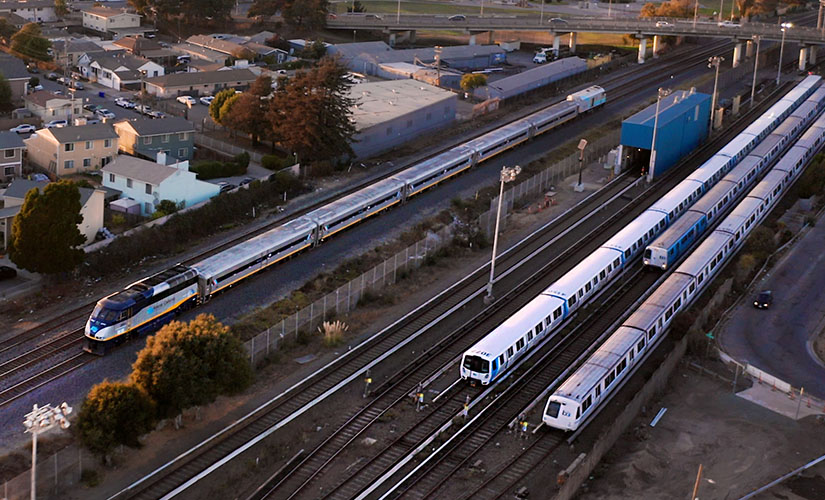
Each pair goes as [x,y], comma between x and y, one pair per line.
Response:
[781,403]
[25,282]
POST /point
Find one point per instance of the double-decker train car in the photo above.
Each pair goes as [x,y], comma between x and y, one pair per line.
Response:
[494,353]
[579,396]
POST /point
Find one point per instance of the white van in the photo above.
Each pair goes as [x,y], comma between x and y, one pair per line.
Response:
[540,58]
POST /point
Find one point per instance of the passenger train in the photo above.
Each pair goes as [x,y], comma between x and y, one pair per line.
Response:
[576,399]
[491,356]
[669,247]
[147,304]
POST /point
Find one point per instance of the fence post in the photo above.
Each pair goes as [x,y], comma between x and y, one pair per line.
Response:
[267,341]
[406,257]
[79,464]
[349,294]
[324,314]
[296,323]
[337,301]
[252,352]
[394,267]
[311,314]
[384,275]
[55,473]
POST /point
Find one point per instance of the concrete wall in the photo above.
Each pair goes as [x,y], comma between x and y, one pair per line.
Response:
[392,133]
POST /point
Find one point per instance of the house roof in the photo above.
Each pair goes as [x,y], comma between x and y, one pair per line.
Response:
[83,133]
[261,49]
[42,97]
[13,68]
[75,46]
[30,4]
[9,140]
[222,46]
[168,125]
[261,37]
[19,188]
[113,61]
[137,44]
[139,170]
[106,11]
[201,78]
[14,19]
[204,65]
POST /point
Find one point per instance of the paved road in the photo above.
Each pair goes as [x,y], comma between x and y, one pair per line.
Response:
[777,340]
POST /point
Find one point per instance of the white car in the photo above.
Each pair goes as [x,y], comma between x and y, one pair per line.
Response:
[57,124]
[187,100]
[104,113]
[207,100]
[24,128]
[729,24]
[124,103]
[663,24]
[142,108]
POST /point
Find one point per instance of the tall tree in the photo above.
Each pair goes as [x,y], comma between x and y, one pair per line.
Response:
[218,102]
[356,7]
[470,81]
[186,365]
[61,8]
[248,111]
[29,42]
[310,113]
[309,14]
[45,237]
[114,414]
[5,94]
[7,30]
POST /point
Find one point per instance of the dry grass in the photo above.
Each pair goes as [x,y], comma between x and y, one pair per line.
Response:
[333,332]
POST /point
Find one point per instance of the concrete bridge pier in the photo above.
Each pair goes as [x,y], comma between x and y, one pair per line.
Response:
[572,42]
[473,39]
[803,58]
[642,50]
[749,49]
[656,42]
[401,36]
[737,54]
[556,44]
[393,36]
[812,55]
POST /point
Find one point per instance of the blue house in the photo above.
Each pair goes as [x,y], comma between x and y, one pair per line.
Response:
[146,137]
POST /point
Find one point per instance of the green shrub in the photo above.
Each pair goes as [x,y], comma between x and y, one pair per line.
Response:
[273,162]
[90,477]
[213,169]
[242,160]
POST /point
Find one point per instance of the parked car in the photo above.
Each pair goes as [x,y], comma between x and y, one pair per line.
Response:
[663,24]
[187,100]
[729,24]
[458,17]
[36,88]
[90,107]
[52,76]
[207,99]
[32,68]
[104,113]
[56,124]
[143,109]
[7,273]
[24,128]
[556,20]
[373,16]
[124,103]
[78,85]
[156,114]
[225,186]
[763,300]
[247,180]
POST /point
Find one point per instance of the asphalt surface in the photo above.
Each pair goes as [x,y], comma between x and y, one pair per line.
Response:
[778,340]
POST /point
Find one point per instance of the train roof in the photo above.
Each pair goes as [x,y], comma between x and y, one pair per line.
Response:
[588,93]
[540,117]
[678,229]
[761,124]
[439,162]
[355,201]
[699,258]
[714,164]
[668,291]
[787,125]
[819,123]
[147,286]
[804,86]
[738,145]
[675,196]
[253,248]
[492,138]
[573,280]
[515,327]
[766,145]
[817,95]
[579,384]
[631,233]
[768,184]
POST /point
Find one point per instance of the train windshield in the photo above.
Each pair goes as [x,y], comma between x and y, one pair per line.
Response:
[553,409]
[648,253]
[476,364]
[105,315]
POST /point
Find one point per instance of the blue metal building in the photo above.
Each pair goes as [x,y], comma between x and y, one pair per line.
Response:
[683,123]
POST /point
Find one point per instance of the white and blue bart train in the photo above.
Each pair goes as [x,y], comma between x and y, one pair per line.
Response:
[576,398]
[149,303]
[490,357]
[671,245]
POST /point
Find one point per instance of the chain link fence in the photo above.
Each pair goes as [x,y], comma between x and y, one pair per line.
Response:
[54,474]
[548,177]
[346,298]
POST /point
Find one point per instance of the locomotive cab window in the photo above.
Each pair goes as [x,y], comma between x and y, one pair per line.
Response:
[476,364]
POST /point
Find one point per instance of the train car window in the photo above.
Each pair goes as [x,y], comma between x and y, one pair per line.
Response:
[699,279]
[598,390]
[520,344]
[652,332]
[557,313]
[595,280]
[677,304]
[501,359]
[627,254]
[586,404]
[640,345]
[547,321]
[603,274]
[578,413]
[529,336]
[510,352]
[639,243]
[692,287]
[587,287]
[538,329]
[616,263]
[622,365]
[571,301]
[580,293]
[668,314]
[495,364]
[632,355]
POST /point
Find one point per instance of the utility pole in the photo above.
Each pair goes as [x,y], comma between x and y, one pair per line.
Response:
[507,175]
[696,484]
[652,165]
[42,419]
[784,27]
[715,61]
[755,65]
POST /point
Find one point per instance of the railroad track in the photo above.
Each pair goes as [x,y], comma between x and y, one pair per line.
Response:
[176,476]
[44,377]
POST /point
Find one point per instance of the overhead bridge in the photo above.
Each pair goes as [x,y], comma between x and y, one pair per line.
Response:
[641,28]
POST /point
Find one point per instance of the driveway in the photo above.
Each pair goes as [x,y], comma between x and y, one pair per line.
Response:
[777,340]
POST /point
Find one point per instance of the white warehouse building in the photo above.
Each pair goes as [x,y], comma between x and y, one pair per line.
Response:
[388,114]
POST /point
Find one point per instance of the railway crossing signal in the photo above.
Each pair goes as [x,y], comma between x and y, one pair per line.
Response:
[367,382]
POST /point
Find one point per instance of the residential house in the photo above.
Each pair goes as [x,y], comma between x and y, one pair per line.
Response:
[145,137]
[14,20]
[203,82]
[121,70]
[109,21]
[223,46]
[14,70]
[50,106]
[73,50]
[11,156]
[91,208]
[70,150]
[151,182]
[149,49]
[35,11]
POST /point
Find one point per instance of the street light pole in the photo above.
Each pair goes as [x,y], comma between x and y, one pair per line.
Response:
[42,419]
[651,166]
[507,175]
[721,8]
[784,28]
[582,144]
[755,65]
[714,61]
[398,13]
[695,13]
[541,13]
[482,9]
